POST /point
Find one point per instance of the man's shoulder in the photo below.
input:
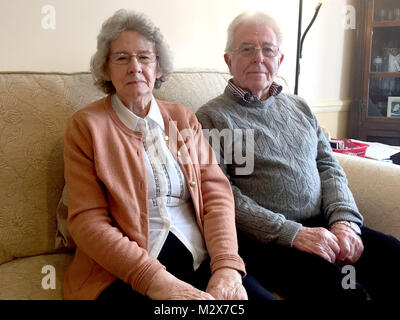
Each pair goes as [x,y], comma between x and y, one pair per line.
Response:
[290,97]
[213,105]
[216,112]
[292,100]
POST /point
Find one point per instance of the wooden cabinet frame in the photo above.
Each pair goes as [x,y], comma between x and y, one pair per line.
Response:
[362,126]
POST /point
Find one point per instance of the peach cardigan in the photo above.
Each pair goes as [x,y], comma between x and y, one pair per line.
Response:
[107,211]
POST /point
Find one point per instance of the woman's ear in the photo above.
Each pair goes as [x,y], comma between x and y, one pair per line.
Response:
[106,72]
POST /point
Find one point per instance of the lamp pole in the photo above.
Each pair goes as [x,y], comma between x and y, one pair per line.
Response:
[298,54]
[300,40]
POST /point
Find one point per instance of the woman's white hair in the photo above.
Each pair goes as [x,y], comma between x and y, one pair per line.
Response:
[120,21]
[259,17]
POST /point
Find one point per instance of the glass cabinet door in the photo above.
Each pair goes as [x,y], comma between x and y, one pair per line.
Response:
[380,89]
[384,69]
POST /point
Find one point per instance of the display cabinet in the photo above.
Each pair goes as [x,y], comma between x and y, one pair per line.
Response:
[376,110]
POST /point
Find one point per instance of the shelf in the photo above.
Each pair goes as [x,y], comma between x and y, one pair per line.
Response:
[391,123]
[386,24]
[384,74]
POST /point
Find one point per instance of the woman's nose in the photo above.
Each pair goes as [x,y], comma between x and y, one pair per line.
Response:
[134,65]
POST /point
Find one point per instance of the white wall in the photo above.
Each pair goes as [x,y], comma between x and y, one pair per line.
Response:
[195,30]
[328,49]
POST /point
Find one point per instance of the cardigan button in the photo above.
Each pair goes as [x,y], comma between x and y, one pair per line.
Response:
[166,138]
[179,153]
[192,183]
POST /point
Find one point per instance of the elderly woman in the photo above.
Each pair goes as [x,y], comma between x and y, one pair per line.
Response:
[148,217]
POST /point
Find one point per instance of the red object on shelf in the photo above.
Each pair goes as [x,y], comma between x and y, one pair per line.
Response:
[356,149]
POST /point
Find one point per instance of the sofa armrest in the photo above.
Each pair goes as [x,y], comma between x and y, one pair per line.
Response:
[375,186]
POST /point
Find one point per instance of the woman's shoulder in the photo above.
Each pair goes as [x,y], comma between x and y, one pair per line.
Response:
[172,106]
[92,115]
[176,111]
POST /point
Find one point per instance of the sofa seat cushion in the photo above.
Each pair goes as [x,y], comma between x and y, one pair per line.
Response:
[21,279]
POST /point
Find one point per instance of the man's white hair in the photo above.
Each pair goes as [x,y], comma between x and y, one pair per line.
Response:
[259,17]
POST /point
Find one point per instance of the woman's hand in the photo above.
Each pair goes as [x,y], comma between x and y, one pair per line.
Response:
[317,241]
[226,284]
[165,286]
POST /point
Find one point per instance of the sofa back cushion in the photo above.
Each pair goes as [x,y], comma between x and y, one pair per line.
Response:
[33,110]
[192,88]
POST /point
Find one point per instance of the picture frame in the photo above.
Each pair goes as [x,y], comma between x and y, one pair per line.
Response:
[393,107]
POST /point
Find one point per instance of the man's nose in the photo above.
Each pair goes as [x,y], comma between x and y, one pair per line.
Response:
[258,56]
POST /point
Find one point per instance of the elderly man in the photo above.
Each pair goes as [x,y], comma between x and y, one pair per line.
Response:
[297,219]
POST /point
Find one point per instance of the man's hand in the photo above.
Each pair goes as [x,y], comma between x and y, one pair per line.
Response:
[226,284]
[165,286]
[350,243]
[317,241]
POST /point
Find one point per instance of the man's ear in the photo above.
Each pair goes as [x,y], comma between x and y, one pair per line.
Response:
[227,61]
[281,58]
[158,73]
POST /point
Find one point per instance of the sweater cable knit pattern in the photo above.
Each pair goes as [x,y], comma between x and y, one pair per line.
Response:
[295,176]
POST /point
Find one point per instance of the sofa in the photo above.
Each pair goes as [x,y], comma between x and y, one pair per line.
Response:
[33,111]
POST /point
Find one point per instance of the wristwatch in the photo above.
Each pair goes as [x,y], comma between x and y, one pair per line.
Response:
[351,224]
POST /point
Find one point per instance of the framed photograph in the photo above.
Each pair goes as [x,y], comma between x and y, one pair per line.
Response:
[393,108]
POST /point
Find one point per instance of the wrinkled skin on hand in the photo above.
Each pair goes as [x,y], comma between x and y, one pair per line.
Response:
[165,286]
[226,284]
[350,243]
[341,244]
[318,241]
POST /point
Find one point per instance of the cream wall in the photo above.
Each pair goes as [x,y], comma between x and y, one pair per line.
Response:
[196,32]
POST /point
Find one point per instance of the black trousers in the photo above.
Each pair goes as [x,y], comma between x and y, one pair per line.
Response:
[295,274]
[179,262]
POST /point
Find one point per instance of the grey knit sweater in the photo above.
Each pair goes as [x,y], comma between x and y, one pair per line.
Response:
[295,175]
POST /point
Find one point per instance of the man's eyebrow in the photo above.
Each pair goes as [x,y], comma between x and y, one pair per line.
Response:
[252,44]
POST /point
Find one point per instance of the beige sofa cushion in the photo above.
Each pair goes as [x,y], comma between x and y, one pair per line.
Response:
[22,278]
